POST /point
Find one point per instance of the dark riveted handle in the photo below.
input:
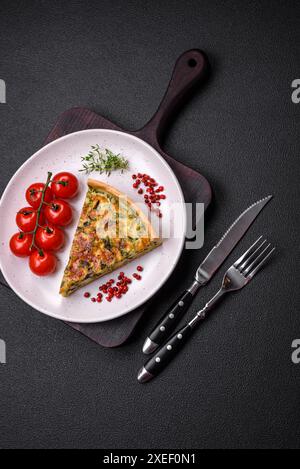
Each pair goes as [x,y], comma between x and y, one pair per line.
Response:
[167,324]
[168,351]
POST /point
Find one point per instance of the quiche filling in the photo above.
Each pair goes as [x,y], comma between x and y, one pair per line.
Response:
[111,232]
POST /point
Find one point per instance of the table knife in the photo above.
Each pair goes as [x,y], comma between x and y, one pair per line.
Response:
[204,273]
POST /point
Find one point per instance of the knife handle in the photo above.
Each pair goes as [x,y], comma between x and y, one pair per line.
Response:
[165,354]
[167,324]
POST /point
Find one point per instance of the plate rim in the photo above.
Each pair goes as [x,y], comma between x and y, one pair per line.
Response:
[175,261]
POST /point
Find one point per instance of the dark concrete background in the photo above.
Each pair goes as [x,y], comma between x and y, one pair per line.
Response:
[235,384]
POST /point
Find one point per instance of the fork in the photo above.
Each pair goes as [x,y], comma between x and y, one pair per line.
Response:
[236,277]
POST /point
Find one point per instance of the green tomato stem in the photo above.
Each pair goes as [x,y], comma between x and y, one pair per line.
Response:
[33,245]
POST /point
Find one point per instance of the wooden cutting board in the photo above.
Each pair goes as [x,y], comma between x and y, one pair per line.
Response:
[190,70]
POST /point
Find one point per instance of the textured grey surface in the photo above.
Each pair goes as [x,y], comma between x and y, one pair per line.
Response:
[235,384]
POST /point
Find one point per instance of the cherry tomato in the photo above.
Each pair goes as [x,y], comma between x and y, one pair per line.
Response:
[42,263]
[50,238]
[34,194]
[64,185]
[26,219]
[59,213]
[20,244]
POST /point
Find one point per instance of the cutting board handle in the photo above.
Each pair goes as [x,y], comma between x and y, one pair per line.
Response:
[190,69]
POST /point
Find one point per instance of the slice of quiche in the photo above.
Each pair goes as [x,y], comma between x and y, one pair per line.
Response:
[111,232]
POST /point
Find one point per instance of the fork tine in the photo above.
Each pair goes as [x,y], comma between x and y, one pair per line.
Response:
[245,255]
[255,261]
[252,256]
[253,272]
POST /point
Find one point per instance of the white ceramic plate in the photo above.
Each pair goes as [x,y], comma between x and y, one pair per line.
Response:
[65,154]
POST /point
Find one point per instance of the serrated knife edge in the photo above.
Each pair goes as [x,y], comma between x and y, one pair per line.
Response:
[266,199]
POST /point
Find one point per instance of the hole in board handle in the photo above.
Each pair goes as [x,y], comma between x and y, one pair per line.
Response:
[192,63]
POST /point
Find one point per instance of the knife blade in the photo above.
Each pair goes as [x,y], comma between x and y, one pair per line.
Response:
[203,274]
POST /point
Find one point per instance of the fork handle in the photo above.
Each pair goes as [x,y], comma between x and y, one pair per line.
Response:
[209,305]
[165,354]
